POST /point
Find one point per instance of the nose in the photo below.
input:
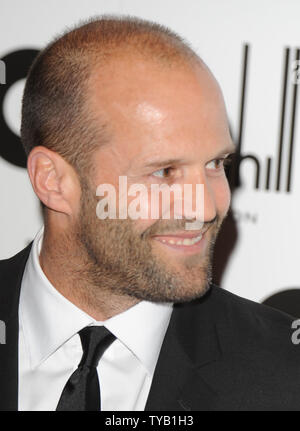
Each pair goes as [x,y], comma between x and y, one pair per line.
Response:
[198,198]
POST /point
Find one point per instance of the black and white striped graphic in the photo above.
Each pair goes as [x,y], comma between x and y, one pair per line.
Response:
[275,173]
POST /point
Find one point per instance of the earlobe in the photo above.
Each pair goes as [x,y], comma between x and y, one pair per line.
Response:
[48,173]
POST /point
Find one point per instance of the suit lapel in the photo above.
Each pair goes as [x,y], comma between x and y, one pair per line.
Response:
[11,273]
[178,383]
[200,367]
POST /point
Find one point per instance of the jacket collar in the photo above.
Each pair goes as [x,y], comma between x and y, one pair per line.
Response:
[189,348]
[11,273]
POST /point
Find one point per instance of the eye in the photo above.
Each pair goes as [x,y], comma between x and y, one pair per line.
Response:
[162,173]
[216,164]
[219,164]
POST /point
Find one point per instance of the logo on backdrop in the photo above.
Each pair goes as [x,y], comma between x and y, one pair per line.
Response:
[13,67]
[271,170]
[2,72]
[2,332]
[287,300]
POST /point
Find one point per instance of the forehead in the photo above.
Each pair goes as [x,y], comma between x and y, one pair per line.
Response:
[159,109]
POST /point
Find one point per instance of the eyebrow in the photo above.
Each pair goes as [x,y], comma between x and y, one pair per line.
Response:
[166,162]
[230,149]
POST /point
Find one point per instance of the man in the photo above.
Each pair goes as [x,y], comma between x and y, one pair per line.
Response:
[118,313]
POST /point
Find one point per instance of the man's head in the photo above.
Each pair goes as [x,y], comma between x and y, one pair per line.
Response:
[124,97]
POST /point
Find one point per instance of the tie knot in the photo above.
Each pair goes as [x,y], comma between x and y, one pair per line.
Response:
[95,340]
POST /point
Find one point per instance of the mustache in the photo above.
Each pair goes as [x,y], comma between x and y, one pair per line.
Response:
[162,227]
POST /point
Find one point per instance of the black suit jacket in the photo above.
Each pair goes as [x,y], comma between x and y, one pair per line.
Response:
[220,352]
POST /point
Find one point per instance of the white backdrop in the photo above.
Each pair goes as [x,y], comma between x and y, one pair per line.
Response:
[265,257]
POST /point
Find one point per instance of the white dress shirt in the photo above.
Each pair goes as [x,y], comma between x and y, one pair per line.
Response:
[50,347]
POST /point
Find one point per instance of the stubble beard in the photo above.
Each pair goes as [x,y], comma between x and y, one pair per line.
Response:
[121,261]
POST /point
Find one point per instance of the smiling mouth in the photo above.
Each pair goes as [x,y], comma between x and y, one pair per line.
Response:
[173,240]
[192,241]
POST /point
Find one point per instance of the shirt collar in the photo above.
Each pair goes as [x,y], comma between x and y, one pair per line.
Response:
[142,329]
[43,310]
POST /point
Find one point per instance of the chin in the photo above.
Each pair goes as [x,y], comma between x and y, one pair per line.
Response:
[182,292]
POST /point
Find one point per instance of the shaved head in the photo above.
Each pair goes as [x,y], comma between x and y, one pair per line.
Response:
[56,111]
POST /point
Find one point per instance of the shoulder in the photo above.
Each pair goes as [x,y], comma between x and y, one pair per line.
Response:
[11,273]
[247,311]
[256,347]
[250,315]
[243,325]
[224,305]
[15,260]
[260,341]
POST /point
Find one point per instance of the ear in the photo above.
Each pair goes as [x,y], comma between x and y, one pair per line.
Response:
[54,180]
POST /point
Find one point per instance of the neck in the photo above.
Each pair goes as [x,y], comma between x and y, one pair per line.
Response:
[69,269]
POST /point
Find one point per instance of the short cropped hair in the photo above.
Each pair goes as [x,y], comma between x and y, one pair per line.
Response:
[55,110]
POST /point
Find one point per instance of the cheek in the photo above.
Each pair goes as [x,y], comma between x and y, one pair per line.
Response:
[222,195]
[139,208]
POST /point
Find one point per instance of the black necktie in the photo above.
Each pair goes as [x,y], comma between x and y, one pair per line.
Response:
[82,392]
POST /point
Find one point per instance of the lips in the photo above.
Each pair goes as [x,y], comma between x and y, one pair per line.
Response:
[181,239]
